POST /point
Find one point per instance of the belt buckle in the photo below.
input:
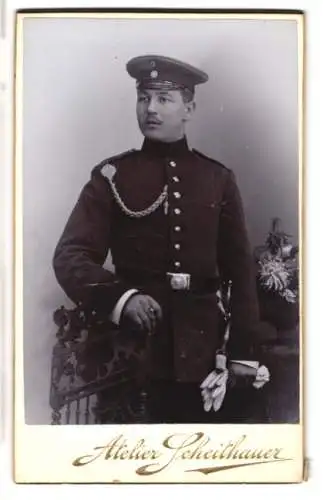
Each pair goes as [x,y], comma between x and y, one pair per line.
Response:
[179,281]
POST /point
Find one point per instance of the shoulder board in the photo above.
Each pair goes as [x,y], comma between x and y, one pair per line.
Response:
[105,166]
[198,153]
[121,155]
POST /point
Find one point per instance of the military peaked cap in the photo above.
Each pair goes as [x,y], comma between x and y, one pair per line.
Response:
[159,72]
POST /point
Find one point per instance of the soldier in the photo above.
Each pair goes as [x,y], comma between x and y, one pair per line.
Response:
[174,222]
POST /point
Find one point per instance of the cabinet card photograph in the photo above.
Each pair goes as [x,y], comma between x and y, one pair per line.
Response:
[158,247]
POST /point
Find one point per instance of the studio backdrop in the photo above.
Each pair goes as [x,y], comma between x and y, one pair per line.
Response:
[79,108]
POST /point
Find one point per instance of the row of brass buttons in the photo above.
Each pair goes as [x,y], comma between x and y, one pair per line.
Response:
[177,211]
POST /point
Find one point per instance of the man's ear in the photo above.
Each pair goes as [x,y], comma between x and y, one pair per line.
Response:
[189,109]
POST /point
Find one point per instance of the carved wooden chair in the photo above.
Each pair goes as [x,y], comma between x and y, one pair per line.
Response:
[92,357]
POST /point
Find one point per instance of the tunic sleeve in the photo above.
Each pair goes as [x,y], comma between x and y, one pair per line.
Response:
[236,264]
[83,247]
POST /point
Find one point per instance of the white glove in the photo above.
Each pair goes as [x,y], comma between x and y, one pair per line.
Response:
[214,386]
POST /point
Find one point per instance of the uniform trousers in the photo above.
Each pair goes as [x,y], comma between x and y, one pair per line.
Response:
[174,402]
[182,403]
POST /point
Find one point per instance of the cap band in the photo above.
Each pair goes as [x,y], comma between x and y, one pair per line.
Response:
[149,83]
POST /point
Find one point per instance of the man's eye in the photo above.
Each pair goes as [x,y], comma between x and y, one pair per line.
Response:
[162,99]
[142,98]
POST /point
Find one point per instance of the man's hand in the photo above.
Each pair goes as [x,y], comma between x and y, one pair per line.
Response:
[141,312]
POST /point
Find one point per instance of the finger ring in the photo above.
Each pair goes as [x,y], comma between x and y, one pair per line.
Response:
[151,309]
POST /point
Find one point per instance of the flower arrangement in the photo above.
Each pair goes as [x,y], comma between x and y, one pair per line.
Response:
[278,265]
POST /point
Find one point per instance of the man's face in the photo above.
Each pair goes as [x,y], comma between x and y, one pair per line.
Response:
[162,114]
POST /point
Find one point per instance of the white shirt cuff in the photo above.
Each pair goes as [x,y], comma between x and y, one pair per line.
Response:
[116,313]
[252,364]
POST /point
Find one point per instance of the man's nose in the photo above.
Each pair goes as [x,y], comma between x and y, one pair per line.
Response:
[152,106]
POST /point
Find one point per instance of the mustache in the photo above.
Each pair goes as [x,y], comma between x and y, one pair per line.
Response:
[153,119]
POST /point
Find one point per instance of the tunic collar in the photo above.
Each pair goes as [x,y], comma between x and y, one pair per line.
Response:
[165,149]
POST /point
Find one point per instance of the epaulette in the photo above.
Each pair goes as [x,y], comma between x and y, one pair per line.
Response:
[205,157]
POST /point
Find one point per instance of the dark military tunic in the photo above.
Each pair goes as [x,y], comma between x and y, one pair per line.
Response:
[202,233]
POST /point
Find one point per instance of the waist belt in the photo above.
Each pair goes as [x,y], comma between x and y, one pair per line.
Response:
[175,281]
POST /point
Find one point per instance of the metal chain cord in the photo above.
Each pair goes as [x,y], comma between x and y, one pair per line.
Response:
[140,213]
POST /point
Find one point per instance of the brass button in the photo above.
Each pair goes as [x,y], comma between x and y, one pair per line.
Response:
[177,246]
[177,195]
[177,264]
[172,163]
[175,178]
[177,229]
[177,211]
[183,355]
